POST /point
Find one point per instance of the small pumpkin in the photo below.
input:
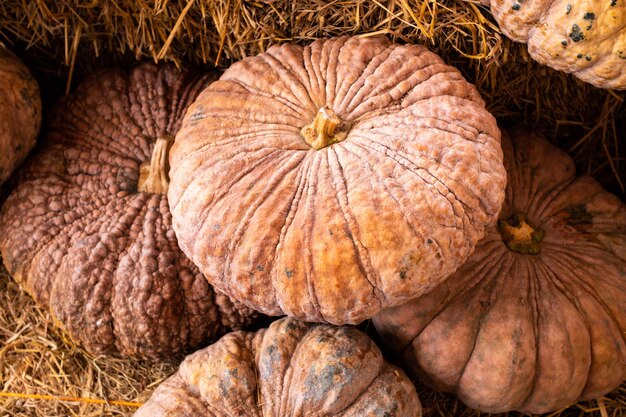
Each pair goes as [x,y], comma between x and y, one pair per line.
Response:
[328,181]
[88,229]
[289,369]
[536,318]
[586,38]
[20,112]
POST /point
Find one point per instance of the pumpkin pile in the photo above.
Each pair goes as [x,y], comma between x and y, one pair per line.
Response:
[349,179]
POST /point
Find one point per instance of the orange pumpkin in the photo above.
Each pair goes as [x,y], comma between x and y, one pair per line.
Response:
[536,318]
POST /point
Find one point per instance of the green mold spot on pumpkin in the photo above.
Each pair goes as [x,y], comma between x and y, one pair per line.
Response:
[578,215]
[393,412]
[576,34]
[288,272]
[589,16]
[613,3]
[579,56]
[587,57]
[568,9]
[516,6]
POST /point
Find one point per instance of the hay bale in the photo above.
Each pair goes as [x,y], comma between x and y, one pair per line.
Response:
[64,41]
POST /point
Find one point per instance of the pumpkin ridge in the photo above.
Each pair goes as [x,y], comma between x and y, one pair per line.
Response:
[493,284]
[577,280]
[274,181]
[357,85]
[589,317]
[60,308]
[138,221]
[243,173]
[285,405]
[413,168]
[302,181]
[362,254]
[290,80]
[184,319]
[309,207]
[381,181]
[533,294]
[461,138]
[300,111]
[496,285]
[37,251]
[397,104]
[550,283]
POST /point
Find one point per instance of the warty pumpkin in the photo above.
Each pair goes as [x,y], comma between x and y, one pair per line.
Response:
[88,230]
[586,38]
[536,318]
[20,112]
[289,369]
[328,181]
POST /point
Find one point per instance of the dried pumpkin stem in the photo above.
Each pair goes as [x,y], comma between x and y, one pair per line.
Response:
[325,129]
[153,177]
[519,236]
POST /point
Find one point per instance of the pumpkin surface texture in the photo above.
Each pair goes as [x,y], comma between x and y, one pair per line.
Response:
[88,230]
[290,369]
[587,38]
[20,112]
[327,181]
[536,318]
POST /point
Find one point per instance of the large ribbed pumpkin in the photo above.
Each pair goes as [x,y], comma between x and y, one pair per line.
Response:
[536,318]
[88,230]
[20,112]
[289,369]
[586,38]
[329,181]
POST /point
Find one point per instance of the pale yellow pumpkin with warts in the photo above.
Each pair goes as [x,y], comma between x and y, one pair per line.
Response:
[583,37]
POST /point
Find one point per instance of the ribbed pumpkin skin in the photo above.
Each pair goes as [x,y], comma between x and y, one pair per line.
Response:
[81,238]
[528,331]
[337,233]
[289,369]
[584,37]
[20,112]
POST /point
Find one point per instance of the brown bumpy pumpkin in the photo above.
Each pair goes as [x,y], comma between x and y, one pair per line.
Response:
[20,112]
[289,369]
[586,38]
[88,230]
[329,181]
[536,318]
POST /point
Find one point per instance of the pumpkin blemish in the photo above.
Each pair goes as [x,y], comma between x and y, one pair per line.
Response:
[576,34]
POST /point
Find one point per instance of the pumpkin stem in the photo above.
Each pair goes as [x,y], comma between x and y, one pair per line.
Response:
[322,132]
[519,236]
[153,176]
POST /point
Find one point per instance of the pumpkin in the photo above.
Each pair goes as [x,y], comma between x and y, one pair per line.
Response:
[289,369]
[536,318]
[586,38]
[88,229]
[20,112]
[328,181]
